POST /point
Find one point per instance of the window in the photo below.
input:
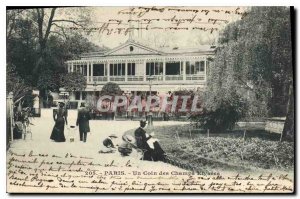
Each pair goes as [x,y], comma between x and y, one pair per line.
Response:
[173,68]
[197,67]
[188,68]
[117,69]
[193,67]
[80,68]
[154,68]
[202,66]
[84,93]
[77,95]
[98,69]
[131,69]
[84,70]
[131,48]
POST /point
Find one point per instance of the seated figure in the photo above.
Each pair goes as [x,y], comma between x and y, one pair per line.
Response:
[108,145]
[125,148]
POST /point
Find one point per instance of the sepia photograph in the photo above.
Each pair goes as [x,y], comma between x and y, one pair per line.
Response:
[150,99]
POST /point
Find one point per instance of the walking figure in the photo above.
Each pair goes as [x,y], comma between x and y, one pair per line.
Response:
[60,118]
[83,118]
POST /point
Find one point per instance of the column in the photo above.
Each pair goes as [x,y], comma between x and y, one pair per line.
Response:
[126,71]
[72,67]
[108,71]
[164,70]
[92,72]
[184,70]
[104,70]
[145,78]
[88,72]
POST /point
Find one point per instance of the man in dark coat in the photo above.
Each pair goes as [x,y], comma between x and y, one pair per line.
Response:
[141,141]
[83,118]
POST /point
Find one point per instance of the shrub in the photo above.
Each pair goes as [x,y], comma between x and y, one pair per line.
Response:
[222,115]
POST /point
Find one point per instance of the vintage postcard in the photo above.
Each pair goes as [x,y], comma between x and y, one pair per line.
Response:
[150,99]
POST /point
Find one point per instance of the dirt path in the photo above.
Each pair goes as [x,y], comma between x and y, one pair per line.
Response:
[41,143]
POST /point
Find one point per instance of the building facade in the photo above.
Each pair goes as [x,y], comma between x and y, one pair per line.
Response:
[131,64]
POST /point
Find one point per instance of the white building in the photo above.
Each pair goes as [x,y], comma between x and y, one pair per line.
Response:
[130,64]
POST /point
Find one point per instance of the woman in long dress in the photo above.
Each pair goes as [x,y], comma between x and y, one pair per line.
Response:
[60,118]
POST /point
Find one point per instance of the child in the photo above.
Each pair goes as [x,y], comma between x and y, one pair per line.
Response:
[125,147]
[108,145]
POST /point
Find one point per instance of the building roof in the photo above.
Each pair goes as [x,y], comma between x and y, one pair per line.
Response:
[175,50]
[131,47]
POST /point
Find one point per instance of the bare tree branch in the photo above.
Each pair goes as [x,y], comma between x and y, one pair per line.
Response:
[61,28]
[58,33]
[49,24]
[69,21]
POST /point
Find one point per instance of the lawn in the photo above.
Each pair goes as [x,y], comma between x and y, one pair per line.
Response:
[202,152]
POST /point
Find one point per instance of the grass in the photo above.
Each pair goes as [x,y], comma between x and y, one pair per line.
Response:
[194,150]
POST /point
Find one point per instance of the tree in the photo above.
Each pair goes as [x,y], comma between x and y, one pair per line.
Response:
[261,54]
[111,88]
[26,44]
[46,21]
[221,113]
[15,84]
[254,61]
[73,81]
[47,81]
[289,125]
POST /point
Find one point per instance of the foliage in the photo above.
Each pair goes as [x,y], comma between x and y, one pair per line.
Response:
[111,88]
[251,152]
[251,70]
[73,81]
[219,152]
[39,49]
[48,81]
[222,114]
[258,51]
[91,102]
[15,84]
[180,93]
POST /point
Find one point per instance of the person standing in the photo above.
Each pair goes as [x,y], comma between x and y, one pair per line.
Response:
[141,141]
[60,118]
[83,118]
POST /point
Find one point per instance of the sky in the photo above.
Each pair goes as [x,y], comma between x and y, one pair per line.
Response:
[195,25]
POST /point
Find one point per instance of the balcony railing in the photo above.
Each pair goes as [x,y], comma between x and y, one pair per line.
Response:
[100,78]
[195,77]
[156,78]
[174,77]
[135,78]
[117,78]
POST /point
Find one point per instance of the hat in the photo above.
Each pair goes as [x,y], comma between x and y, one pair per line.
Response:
[113,135]
[61,103]
[143,122]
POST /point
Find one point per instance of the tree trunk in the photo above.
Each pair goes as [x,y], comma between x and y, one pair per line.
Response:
[288,129]
[47,100]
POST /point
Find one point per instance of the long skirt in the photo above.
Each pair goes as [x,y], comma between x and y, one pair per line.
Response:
[58,131]
[158,153]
